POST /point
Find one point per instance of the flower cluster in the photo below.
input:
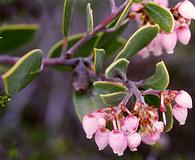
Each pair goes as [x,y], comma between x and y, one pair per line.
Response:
[121,128]
[183,13]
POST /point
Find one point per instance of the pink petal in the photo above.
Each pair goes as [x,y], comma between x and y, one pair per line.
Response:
[159,126]
[90,125]
[184,99]
[116,141]
[187,9]
[183,35]
[144,53]
[169,41]
[162,2]
[151,138]
[101,138]
[180,114]
[131,123]
[134,141]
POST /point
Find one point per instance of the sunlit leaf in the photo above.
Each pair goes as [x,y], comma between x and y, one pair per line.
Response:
[140,39]
[15,36]
[99,55]
[169,119]
[89,18]
[117,69]
[160,79]
[160,15]
[23,72]
[104,87]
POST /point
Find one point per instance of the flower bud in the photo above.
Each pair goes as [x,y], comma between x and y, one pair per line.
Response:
[187,9]
[134,141]
[180,114]
[159,126]
[162,2]
[116,141]
[151,138]
[90,125]
[101,138]
[184,35]
[169,41]
[183,99]
[131,123]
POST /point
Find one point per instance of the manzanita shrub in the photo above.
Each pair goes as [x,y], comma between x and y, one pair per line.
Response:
[115,110]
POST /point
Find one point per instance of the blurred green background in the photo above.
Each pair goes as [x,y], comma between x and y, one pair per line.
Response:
[40,123]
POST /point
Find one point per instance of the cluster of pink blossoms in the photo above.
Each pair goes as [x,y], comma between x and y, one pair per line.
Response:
[183,13]
[121,128]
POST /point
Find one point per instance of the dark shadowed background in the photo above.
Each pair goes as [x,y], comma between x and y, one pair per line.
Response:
[40,122]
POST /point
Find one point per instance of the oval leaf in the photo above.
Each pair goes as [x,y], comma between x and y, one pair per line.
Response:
[160,79]
[117,69]
[160,15]
[67,15]
[89,18]
[140,39]
[98,59]
[123,15]
[109,87]
[113,99]
[153,100]
[169,119]
[14,36]
[23,72]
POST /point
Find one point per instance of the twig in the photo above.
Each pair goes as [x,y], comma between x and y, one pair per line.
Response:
[73,61]
[97,29]
[136,92]
[113,6]
[46,61]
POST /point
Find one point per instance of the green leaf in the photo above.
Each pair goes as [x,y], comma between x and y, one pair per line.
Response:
[123,15]
[23,72]
[160,79]
[82,51]
[117,69]
[15,36]
[85,102]
[153,100]
[98,59]
[89,18]
[140,39]
[113,99]
[160,15]
[105,87]
[67,16]
[169,119]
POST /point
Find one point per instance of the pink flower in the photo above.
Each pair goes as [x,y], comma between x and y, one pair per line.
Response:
[123,148]
[180,113]
[117,141]
[134,141]
[155,46]
[131,123]
[151,138]
[90,125]
[183,99]
[162,2]
[102,122]
[144,53]
[169,41]
[159,126]
[187,9]
[136,7]
[101,138]
[184,35]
